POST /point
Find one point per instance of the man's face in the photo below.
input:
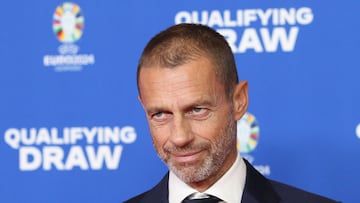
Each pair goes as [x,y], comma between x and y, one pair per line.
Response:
[190,119]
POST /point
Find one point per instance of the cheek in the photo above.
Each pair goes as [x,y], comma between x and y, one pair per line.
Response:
[159,136]
[209,131]
[213,129]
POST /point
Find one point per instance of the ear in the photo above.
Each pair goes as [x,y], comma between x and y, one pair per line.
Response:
[139,98]
[240,99]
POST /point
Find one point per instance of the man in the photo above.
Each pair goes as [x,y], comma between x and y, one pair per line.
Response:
[189,89]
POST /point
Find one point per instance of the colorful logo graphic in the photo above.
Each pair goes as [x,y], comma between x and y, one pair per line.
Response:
[68,22]
[68,25]
[247,133]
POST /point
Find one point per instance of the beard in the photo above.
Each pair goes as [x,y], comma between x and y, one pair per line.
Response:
[216,155]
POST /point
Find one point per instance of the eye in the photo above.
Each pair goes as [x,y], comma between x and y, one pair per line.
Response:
[160,116]
[198,112]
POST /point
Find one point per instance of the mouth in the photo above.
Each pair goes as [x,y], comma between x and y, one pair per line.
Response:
[186,157]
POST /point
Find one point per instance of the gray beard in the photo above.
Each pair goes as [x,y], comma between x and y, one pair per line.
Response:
[211,164]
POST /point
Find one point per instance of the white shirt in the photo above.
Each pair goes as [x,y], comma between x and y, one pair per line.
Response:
[228,188]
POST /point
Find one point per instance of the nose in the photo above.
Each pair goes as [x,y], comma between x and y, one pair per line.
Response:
[181,132]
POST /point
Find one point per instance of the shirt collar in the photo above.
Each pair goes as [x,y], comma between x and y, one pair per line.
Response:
[228,188]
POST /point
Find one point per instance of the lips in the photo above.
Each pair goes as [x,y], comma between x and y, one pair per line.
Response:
[186,157]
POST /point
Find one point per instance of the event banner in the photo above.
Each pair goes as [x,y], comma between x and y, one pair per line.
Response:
[72,128]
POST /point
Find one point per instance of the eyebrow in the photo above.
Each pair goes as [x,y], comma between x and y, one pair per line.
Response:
[198,102]
[152,110]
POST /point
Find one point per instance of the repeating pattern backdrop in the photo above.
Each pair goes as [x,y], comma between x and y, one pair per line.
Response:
[72,129]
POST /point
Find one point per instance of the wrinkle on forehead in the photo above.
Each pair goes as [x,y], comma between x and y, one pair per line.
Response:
[180,83]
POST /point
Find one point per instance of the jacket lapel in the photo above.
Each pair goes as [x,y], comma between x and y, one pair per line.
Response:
[162,189]
[258,189]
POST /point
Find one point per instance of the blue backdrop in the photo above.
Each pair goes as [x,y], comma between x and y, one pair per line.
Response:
[72,129]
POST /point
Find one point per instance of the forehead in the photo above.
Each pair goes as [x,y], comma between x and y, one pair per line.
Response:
[185,83]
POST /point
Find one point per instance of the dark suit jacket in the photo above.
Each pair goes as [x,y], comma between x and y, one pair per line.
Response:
[258,189]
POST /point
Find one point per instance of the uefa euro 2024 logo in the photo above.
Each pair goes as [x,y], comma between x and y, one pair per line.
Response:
[248,133]
[68,22]
[68,27]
